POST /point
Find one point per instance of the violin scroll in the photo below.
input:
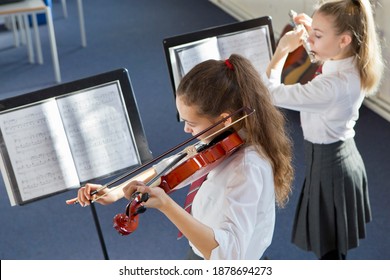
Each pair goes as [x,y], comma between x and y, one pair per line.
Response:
[126,223]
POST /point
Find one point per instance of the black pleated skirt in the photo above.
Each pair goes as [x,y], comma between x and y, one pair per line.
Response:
[334,205]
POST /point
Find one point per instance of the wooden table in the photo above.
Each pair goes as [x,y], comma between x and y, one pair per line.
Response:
[34,7]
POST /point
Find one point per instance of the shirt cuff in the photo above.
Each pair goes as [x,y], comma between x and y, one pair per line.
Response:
[276,76]
[220,252]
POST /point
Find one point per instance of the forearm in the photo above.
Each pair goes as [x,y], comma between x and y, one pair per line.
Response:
[145,176]
[199,234]
[278,60]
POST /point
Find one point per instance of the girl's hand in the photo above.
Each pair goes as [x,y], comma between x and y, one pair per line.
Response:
[287,44]
[291,41]
[157,196]
[84,196]
[305,20]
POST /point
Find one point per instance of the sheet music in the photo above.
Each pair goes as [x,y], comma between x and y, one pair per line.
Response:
[38,150]
[98,131]
[200,51]
[252,44]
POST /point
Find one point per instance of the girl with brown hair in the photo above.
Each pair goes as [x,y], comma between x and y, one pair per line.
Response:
[233,213]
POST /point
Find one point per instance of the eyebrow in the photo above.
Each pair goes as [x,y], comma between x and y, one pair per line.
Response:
[187,121]
[318,30]
[182,119]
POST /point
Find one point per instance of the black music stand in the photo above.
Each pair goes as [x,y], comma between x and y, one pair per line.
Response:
[59,138]
[254,39]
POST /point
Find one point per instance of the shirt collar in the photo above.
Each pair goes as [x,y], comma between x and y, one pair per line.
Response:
[331,66]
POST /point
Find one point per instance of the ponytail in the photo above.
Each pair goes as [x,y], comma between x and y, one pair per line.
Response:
[221,86]
[356,17]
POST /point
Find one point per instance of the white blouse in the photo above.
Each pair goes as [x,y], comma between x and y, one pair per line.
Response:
[329,104]
[238,202]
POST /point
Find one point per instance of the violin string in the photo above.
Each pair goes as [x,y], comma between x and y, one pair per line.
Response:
[247,111]
[191,148]
[185,150]
[155,178]
[228,126]
[189,151]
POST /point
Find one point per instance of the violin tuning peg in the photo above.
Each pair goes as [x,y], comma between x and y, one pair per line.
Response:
[144,197]
[134,195]
[140,210]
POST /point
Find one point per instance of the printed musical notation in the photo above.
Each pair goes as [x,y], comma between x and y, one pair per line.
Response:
[250,44]
[59,143]
[28,122]
[196,53]
[39,153]
[97,127]
[41,183]
[36,160]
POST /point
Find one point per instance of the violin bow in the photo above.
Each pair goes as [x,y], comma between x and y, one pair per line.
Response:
[155,178]
[248,111]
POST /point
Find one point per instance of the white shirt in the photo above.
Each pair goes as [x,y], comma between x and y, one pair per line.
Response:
[238,202]
[329,104]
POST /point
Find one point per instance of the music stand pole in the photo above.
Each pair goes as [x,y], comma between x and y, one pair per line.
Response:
[99,231]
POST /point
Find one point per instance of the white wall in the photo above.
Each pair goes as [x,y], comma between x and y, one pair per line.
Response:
[277,9]
[381,102]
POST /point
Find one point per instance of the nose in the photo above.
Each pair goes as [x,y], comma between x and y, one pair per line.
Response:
[187,129]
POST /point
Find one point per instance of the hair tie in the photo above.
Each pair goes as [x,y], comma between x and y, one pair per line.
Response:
[229,64]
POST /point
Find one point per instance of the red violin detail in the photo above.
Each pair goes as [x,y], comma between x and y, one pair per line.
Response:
[186,172]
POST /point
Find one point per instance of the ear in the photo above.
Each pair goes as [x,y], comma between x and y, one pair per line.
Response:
[345,40]
[228,121]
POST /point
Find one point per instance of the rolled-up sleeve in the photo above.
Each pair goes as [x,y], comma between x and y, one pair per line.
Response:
[316,96]
[239,214]
[237,202]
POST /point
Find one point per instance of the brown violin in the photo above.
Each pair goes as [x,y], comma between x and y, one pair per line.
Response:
[207,158]
[181,169]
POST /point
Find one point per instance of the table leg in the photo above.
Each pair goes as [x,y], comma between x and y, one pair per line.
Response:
[82,26]
[53,44]
[30,50]
[37,38]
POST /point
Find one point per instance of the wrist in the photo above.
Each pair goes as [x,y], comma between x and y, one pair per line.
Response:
[281,52]
[277,61]
[167,204]
[115,195]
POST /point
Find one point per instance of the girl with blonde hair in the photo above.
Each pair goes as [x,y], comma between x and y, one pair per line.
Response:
[334,205]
